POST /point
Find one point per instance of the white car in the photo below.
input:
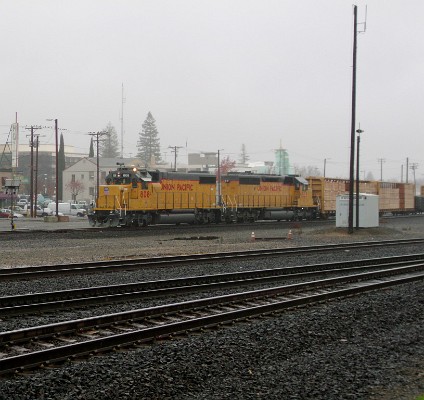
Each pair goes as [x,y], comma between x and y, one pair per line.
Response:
[40,211]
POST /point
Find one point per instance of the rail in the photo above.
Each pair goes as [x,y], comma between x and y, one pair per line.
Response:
[145,325]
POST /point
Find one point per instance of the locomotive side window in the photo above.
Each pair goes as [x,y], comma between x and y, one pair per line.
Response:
[249,181]
[272,179]
[207,180]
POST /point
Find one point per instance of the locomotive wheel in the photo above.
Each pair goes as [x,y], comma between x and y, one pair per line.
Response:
[113,222]
[92,222]
[102,222]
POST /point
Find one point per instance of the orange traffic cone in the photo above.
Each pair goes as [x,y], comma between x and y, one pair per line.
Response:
[253,237]
[289,235]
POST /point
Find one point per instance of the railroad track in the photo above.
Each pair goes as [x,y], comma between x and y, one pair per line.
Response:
[127,264]
[36,303]
[50,345]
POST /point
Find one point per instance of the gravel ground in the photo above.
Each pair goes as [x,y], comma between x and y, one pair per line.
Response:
[367,347]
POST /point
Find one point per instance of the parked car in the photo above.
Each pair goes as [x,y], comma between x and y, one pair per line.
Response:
[39,211]
[17,209]
[5,213]
[69,209]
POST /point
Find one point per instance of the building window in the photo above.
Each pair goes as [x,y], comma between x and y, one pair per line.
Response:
[73,178]
[91,191]
[82,177]
[91,176]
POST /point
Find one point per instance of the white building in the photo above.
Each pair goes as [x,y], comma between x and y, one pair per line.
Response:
[84,172]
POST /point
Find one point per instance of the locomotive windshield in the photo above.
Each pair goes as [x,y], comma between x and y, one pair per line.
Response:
[127,176]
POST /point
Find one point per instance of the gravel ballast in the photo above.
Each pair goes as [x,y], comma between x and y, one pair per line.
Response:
[364,347]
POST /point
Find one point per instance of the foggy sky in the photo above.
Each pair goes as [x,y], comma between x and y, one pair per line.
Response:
[217,74]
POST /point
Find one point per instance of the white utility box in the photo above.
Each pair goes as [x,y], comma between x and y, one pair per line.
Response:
[368,211]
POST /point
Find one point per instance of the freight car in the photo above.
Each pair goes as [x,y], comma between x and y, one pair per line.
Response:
[395,198]
[138,197]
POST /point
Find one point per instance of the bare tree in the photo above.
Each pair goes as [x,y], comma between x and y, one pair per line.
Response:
[226,165]
[75,187]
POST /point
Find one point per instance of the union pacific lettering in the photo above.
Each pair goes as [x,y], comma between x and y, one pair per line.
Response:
[179,187]
[271,188]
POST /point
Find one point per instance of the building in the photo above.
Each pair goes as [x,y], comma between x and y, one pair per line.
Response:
[80,179]
[44,165]
[202,161]
[282,164]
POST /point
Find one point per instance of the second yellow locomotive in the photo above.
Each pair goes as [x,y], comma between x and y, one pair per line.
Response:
[137,197]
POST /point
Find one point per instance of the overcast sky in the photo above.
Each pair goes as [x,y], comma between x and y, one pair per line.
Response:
[217,74]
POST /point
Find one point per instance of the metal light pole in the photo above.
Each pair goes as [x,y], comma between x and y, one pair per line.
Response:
[218,182]
[358,140]
[57,164]
[325,164]
[57,167]
[352,132]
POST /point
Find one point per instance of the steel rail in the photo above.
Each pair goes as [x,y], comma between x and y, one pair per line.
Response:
[35,272]
[66,299]
[355,284]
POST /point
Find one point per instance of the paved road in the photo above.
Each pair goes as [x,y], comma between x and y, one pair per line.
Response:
[24,224]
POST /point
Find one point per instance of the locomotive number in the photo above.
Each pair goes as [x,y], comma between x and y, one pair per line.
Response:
[144,194]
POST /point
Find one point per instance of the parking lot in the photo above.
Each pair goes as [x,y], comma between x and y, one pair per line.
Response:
[27,223]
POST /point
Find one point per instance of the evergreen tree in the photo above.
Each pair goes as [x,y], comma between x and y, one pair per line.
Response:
[91,152]
[109,144]
[61,167]
[244,158]
[148,144]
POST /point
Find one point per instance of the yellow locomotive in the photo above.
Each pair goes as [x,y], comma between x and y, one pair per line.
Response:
[137,197]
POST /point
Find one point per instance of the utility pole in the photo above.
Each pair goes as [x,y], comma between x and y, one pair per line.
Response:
[174,149]
[97,140]
[31,190]
[57,163]
[407,168]
[36,174]
[381,161]
[414,166]
[353,122]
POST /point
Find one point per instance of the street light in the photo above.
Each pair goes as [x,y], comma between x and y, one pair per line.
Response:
[325,164]
[57,166]
[218,182]
[358,140]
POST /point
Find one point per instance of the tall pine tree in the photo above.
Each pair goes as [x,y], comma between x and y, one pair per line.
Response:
[148,144]
[91,151]
[244,158]
[109,144]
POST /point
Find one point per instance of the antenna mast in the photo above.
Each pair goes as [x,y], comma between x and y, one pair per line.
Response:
[122,122]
